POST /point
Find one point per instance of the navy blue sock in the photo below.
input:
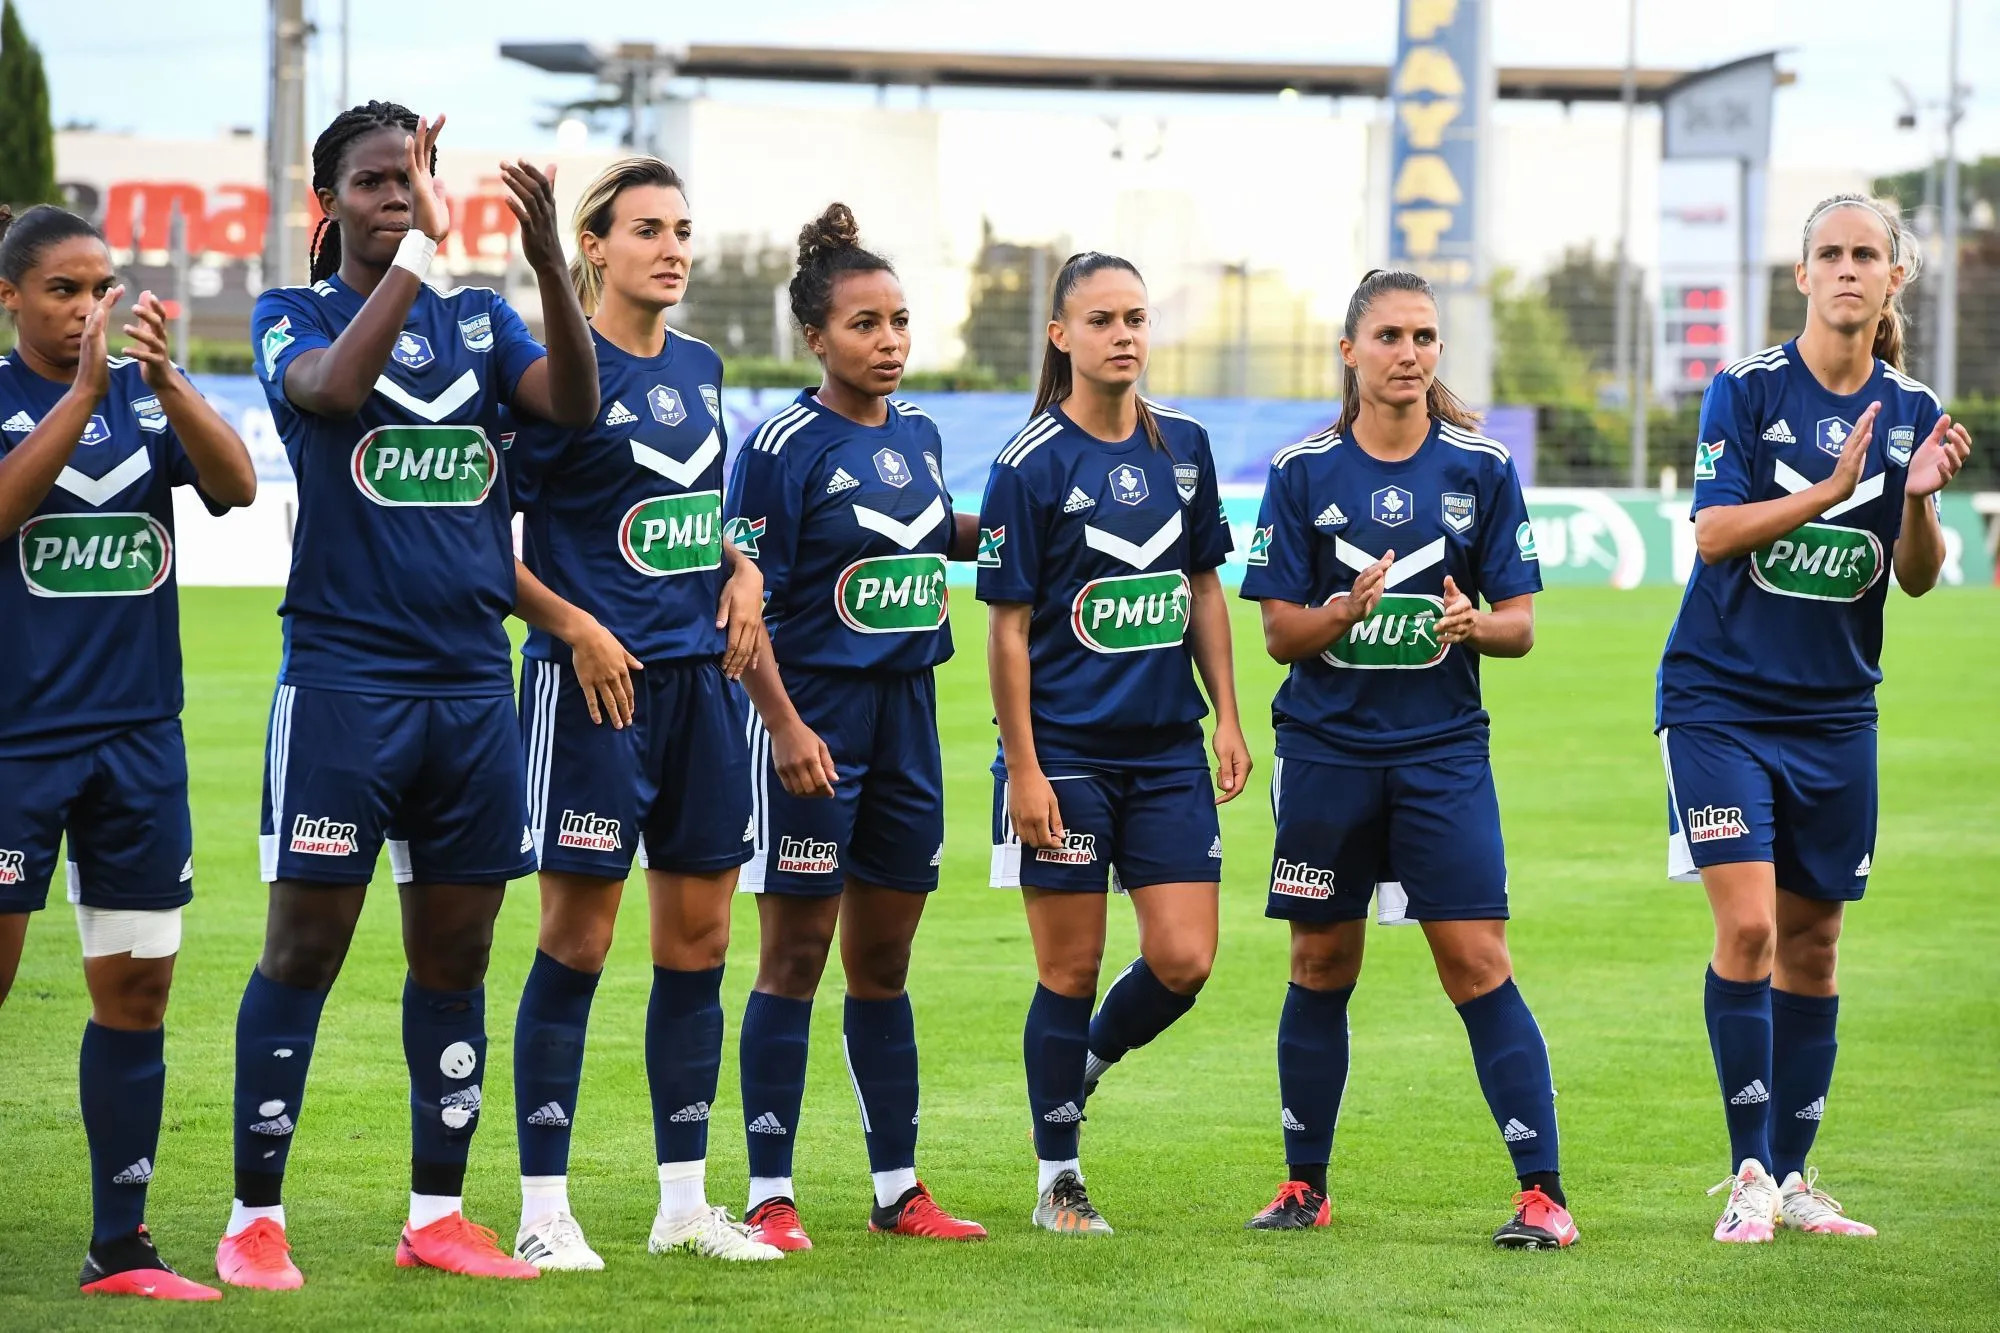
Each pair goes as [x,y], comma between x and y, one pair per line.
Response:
[1054,1045]
[122,1082]
[444,1044]
[1739,1035]
[881,1041]
[683,1060]
[548,1062]
[276,1026]
[1312,1072]
[1802,1051]
[1135,1010]
[772,1056]
[1513,1064]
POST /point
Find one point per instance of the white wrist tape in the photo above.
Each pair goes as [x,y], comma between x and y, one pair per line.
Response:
[415,253]
[143,934]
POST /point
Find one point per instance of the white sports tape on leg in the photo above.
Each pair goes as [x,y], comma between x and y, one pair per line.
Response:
[109,930]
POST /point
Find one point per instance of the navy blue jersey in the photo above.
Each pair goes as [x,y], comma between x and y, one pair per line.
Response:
[1331,510]
[624,517]
[851,525]
[1100,538]
[402,552]
[88,598]
[1792,632]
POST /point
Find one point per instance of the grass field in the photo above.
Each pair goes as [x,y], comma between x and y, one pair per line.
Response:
[1183,1141]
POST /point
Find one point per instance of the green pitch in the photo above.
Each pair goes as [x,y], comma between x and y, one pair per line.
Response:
[1183,1141]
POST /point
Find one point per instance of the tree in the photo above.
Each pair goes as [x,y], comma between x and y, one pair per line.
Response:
[1536,360]
[1010,294]
[27,141]
[1978,182]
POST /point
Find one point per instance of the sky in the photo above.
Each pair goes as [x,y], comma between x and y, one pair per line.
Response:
[194,68]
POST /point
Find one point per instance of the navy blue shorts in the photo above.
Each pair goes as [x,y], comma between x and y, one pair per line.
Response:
[1803,800]
[885,821]
[440,779]
[124,804]
[1138,826]
[674,786]
[1424,835]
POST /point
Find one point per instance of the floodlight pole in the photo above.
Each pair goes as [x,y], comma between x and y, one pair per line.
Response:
[1944,377]
[1624,334]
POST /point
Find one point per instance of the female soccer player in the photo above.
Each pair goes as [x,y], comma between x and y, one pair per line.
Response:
[91,447]
[1099,540]
[840,499]
[1382,781]
[624,520]
[1817,467]
[393,713]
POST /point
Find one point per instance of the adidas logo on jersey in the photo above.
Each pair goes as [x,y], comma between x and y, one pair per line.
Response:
[689,1115]
[1753,1092]
[1078,501]
[1817,1111]
[1330,517]
[138,1173]
[1066,1114]
[1780,433]
[1291,1122]
[619,415]
[841,480]
[18,424]
[766,1124]
[549,1114]
[1515,1132]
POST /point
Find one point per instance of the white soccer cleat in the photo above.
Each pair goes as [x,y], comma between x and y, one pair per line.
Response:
[1752,1214]
[708,1233]
[1804,1206]
[555,1244]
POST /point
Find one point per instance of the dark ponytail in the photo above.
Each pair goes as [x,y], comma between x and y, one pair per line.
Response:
[25,239]
[329,151]
[1440,402]
[829,246]
[1058,376]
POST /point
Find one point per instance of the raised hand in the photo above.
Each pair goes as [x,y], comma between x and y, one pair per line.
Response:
[533,199]
[1854,452]
[149,342]
[1938,459]
[93,367]
[1460,617]
[428,213]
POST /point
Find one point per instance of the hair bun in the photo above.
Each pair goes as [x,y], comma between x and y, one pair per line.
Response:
[834,229]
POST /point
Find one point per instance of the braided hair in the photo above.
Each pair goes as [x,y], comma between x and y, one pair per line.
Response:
[829,246]
[330,151]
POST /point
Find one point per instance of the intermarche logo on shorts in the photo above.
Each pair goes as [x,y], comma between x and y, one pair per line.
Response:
[1821,562]
[589,831]
[892,594]
[428,467]
[1078,849]
[808,856]
[1132,613]
[322,837]
[11,866]
[673,534]
[1400,634]
[1716,823]
[95,555]
[1296,879]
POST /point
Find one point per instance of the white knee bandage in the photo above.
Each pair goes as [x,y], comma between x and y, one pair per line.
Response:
[109,930]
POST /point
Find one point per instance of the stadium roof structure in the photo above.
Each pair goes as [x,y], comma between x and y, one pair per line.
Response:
[972,69]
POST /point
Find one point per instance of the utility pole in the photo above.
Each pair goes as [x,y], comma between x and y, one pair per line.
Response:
[285,170]
[1944,379]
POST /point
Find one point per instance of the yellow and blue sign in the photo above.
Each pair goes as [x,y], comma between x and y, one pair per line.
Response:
[1434,153]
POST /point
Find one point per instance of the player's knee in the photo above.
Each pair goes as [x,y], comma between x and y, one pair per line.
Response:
[1326,960]
[1812,952]
[1746,944]
[879,970]
[136,1001]
[452,962]
[1183,967]
[303,962]
[580,945]
[1070,976]
[791,966]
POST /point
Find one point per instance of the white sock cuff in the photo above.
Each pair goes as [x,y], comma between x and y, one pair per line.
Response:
[1047,1171]
[769,1187]
[683,1188]
[241,1216]
[893,1185]
[428,1208]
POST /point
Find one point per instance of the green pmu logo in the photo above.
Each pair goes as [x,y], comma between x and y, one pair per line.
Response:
[1820,562]
[1400,634]
[892,594]
[1132,613]
[426,466]
[95,555]
[673,534]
